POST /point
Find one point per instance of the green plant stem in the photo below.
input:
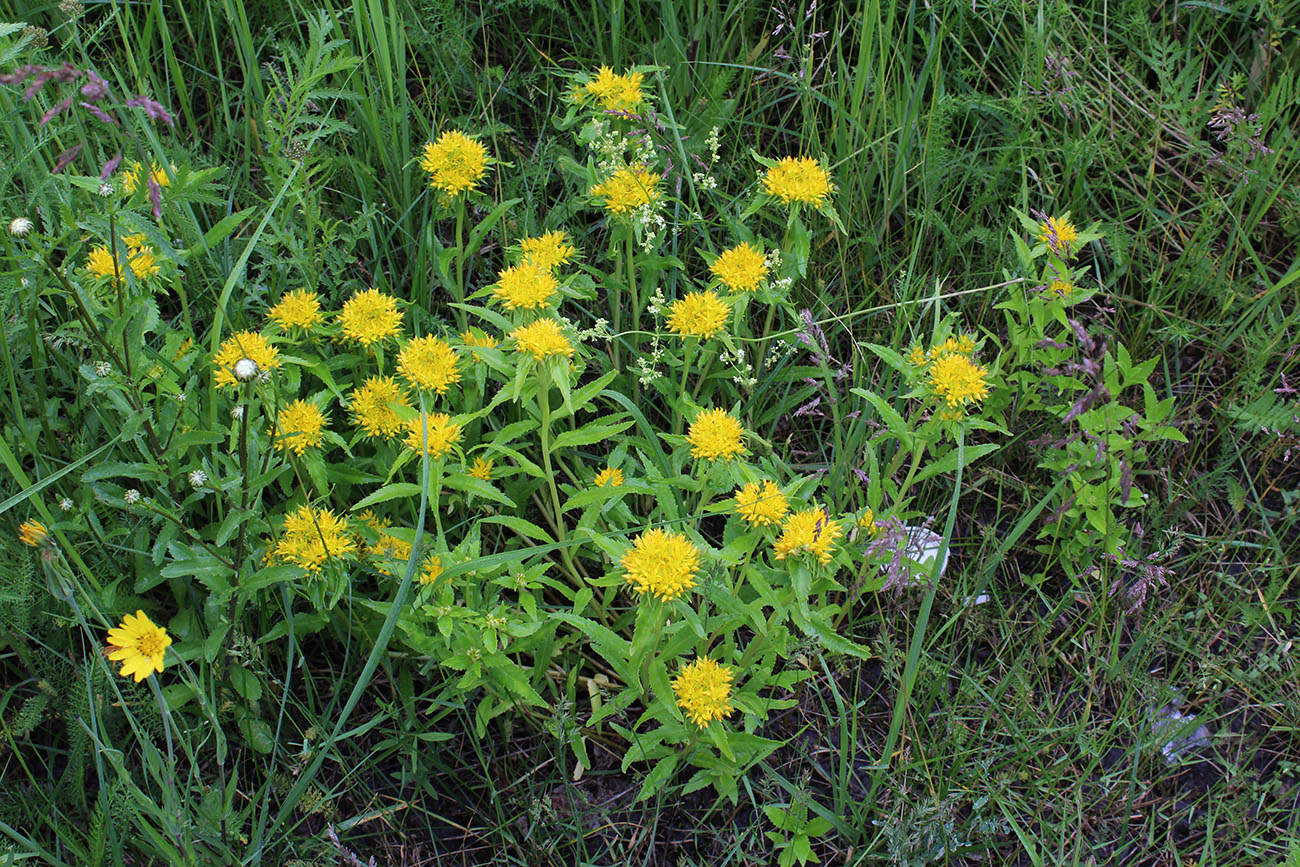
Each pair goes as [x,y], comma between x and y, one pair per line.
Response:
[544,406]
[460,260]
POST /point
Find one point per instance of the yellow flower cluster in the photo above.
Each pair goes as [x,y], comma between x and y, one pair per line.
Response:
[699,314]
[244,345]
[525,287]
[703,691]
[454,163]
[1059,234]
[761,504]
[140,263]
[481,469]
[616,92]
[443,434]
[609,477]
[715,435]
[740,268]
[389,548]
[312,536]
[550,250]
[298,309]
[372,406]
[628,190]
[302,427]
[33,534]
[810,531]
[428,363]
[369,317]
[798,180]
[134,176]
[661,563]
[542,339]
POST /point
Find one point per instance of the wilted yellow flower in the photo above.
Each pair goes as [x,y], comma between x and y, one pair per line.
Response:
[481,469]
[33,533]
[302,426]
[549,250]
[810,531]
[428,363]
[798,180]
[542,339]
[389,547]
[297,309]
[628,189]
[244,345]
[616,92]
[311,536]
[525,287]
[454,163]
[369,317]
[715,435]
[703,691]
[371,406]
[699,314]
[132,176]
[139,645]
[741,268]
[443,434]
[1059,234]
[609,477]
[141,263]
[761,504]
[955,379]
[661,563]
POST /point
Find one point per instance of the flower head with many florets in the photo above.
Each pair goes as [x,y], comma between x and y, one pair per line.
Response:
[703,691]
[661,563]
[454,163]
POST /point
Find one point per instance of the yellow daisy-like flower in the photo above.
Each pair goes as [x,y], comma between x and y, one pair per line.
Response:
[454,163]
[703,691]
[389,547]
[132,177]
[761,504]
[715,435]
[33,533]
[741,268]
[699,314]
[798,180]
[1058,234]
[312,536]
[549,250]
[139,645]
[809,531]
[244,345]
[661,563]
[431,570]
[542,339]
[475,339]
[428,363]
[297,309]
[628,189]
[369,317]
[141,263]
[372,410]
[1060,289]
[481,469]
[957,380]
[525,287]
[609,477]
[443,434]
[302,427]
[616,92]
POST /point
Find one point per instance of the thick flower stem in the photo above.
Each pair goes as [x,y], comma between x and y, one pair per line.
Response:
[460,260]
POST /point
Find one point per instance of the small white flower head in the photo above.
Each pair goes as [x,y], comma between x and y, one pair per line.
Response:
[180,398]
[106,189]
[103,368]
[245,369]
[19,226]
[66,504]
[237,412]
[198,478]
[132,496]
